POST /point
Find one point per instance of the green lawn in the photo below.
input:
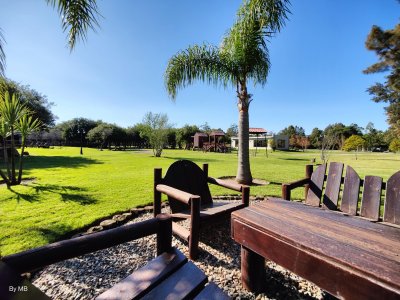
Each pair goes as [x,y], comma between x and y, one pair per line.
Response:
[70,191]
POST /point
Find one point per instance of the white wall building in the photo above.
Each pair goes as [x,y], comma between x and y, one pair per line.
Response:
[260,138]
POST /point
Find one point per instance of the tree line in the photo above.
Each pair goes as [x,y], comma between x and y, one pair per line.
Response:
[338,136]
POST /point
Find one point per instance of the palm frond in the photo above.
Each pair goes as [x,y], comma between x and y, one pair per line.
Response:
[77,16]
[245,45]
[27,124]
[11,109]
[2,54]
[271,14]
[204,63]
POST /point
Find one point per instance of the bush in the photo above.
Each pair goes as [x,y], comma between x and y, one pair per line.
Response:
[395,145]
[353,143]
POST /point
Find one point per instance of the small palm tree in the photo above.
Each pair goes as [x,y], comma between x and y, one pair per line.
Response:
[26,125]
[242,57]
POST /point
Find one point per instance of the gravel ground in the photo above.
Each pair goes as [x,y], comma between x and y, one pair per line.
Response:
[89,275]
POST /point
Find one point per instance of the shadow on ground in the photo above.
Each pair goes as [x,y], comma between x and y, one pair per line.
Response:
[44,162]
[67,193]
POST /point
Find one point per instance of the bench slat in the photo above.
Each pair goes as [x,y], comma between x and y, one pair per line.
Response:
[351,192]
[371,197]
[144,279]
[184,283]
[332,188]
[392,203]
[317,182]
[212,291]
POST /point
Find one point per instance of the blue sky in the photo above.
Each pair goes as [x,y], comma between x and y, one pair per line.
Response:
[117,76]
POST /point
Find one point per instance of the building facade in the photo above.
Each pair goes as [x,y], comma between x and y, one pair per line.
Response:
[261,138]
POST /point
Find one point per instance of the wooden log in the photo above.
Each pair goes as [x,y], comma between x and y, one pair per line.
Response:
[205,170]
[245,195]
[309,171]
[174,193]
[33,259]
[229,185]
[195,203]
[157,194]
[253,270]
[164,234]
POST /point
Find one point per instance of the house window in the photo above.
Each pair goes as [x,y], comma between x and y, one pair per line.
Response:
[260,143]
[281,144]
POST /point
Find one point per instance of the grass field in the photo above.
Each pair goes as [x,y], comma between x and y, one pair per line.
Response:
[69,191]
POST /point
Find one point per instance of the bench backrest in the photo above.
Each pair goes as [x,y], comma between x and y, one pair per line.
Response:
[371,187]
[186,176]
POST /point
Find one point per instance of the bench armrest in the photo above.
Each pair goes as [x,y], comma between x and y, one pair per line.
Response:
[229,185]
[33,259]
[287,187]
[175,193]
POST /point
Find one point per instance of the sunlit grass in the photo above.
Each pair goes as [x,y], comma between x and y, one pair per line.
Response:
[70,191]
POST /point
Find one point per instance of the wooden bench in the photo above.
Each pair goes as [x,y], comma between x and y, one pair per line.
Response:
[369,206]
[169,276]
[339,248]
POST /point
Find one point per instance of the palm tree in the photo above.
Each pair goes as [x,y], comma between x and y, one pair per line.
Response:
[25,126]
[242,57]
[77,17]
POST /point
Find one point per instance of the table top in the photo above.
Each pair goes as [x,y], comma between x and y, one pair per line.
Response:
[369,248]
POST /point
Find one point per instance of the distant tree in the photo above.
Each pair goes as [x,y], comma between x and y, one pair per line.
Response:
[328,143]
[233,130]
[272,144]
[355,142]
[134,137]
[75,130]
[315,138]
[241,58]
[100,135]
[171,138]
[395,145]
[340,132]
[374,139]
[294,133]
[155,128]
[37,103]
[386,45]
[184,135]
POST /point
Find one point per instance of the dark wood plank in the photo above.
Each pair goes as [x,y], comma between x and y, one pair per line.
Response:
[143,280]
[14,287]
[316,184]
[337,279]
[332,188]
[212,291]
[252,266]
[392,202]
[371,197]
[351,192]
[182,284]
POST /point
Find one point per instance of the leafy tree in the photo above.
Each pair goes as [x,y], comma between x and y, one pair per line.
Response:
[100,134]
[75,130]
[340,132]
[386,45]
[395,145]
[241,57]
[355,142]
[292,130]
[374,138]
[315,138]
[76,18]
[37,103]
[233,130]
[156,128]
[184,135]
[15,118]
[134,137]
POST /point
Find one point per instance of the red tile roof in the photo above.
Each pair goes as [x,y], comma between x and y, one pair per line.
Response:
[257,130]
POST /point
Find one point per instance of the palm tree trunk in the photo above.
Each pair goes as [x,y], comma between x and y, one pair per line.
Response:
[243,174]
[13,179]
[20,162]
[6,161]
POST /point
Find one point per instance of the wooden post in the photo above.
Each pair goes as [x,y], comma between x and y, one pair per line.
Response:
[164,233]
[253,270]
[194,226]
[157,194]
[309,171]
[245,195]
[205,170]
[285,192]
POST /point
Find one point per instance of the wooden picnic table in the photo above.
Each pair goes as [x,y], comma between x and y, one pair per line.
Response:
[347,256]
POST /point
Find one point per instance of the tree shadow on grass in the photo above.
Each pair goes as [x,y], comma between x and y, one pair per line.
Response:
[298,159]
[53,232]
[44,162]
[205,160]
[67,193]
